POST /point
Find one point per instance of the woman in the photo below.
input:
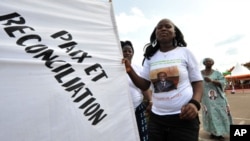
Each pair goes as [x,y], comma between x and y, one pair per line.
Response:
[136,94]
[216,115]
[174,114]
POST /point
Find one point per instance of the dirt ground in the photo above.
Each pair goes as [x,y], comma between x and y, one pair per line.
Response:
[239,104]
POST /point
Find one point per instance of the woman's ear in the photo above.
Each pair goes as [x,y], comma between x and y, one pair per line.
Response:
[204,63]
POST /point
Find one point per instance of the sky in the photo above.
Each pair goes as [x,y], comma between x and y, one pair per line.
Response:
[219,29]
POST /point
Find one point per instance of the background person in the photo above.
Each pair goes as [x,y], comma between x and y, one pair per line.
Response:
[174,115]
[217,118]
[136,94]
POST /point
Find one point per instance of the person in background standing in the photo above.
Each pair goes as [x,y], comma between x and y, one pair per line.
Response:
[216,115]
[174,114]
[136,94]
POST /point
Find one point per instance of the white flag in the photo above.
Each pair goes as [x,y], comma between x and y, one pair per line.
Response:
[61,73]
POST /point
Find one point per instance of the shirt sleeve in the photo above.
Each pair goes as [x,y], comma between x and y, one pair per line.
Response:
[193,67]
[145,70]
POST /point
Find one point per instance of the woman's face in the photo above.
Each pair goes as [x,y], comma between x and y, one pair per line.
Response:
[165,31]
[127,52]
[208,62]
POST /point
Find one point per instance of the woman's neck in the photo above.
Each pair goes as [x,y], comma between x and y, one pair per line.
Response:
[207,71]
[164,47]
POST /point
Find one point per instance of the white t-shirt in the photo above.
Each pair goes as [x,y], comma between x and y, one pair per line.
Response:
[182,68]
[136,94]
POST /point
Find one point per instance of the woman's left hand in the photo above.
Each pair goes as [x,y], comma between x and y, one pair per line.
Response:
[207,79]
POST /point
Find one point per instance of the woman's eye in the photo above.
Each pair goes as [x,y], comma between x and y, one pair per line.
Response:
[164,26]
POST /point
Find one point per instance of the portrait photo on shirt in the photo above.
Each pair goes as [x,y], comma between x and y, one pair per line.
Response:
[212,94]
[165,79]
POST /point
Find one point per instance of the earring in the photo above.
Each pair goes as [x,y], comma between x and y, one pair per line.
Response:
[154,43]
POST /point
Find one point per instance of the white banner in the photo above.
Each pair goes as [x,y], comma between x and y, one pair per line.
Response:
[61,73]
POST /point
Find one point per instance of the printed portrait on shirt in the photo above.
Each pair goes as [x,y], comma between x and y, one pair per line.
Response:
[165,79]
[212,94]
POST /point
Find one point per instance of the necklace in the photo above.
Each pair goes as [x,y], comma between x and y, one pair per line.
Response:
[207,72]
[165,53]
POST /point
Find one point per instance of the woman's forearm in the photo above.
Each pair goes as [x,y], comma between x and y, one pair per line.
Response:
[139,82]
[197,90]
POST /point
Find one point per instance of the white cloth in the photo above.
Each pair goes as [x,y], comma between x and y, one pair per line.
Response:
[60,69]
[136,94]
[181,65]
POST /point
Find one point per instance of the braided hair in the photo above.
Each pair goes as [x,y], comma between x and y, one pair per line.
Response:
[150,49]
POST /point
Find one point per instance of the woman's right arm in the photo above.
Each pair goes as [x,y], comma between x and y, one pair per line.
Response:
[139,82]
